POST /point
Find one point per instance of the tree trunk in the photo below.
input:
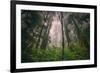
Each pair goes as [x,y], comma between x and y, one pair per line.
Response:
[62,36]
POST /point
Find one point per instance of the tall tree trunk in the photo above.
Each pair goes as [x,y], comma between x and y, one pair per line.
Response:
[38,41]
[45,38]
[75,22]
[45,15]
[62,36]
[67,34]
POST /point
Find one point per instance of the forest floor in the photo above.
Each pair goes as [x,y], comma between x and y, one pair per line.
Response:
[55,54]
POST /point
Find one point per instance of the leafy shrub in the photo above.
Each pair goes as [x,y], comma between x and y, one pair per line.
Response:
[74,52]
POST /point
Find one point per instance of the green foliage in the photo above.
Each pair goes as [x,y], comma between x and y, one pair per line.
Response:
[49,54]
[74,52]
[26,55]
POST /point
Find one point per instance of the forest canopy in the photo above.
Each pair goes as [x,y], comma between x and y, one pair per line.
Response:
[54,36]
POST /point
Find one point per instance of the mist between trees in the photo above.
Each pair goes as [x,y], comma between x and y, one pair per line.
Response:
[54,36]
